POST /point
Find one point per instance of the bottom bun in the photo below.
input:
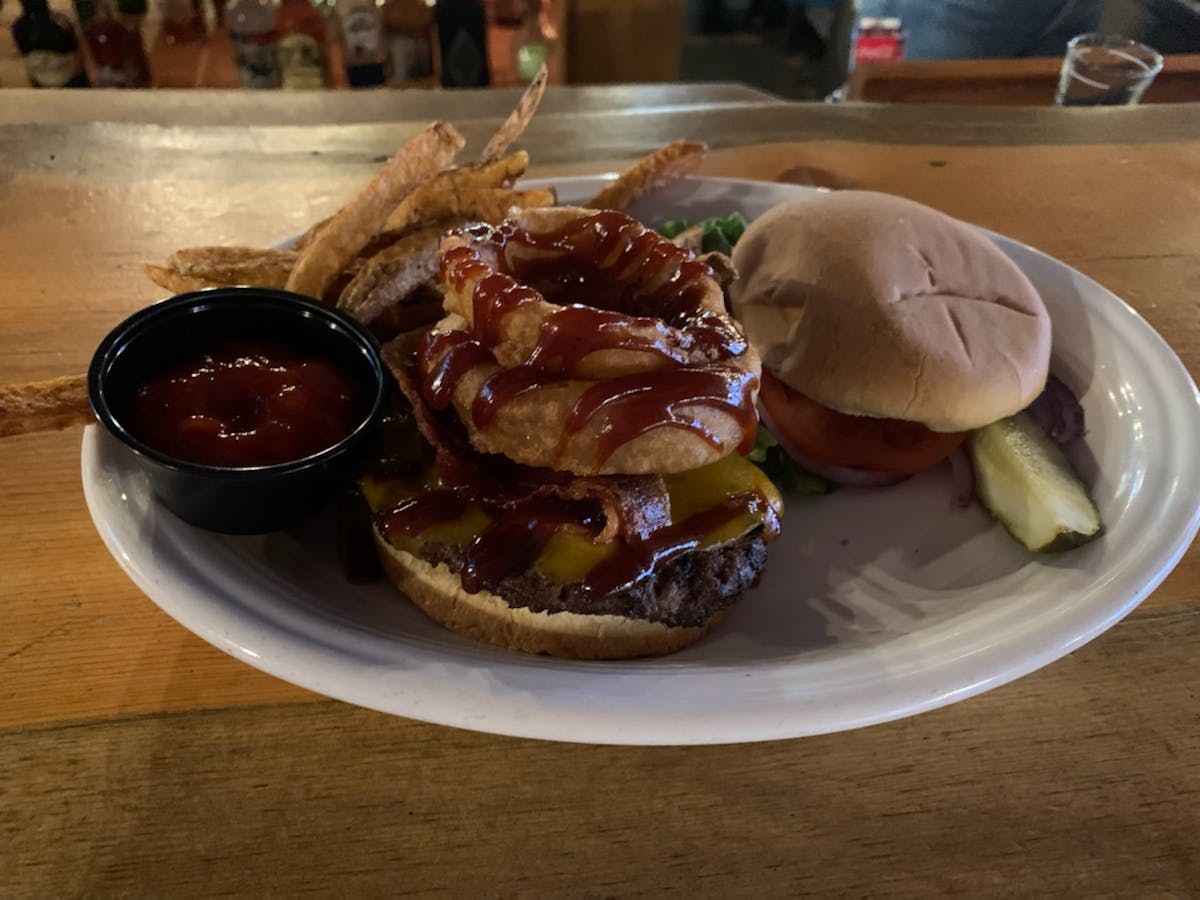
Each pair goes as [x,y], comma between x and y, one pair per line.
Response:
[439,593]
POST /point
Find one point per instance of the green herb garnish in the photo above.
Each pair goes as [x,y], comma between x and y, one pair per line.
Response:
[721,234]
[672,228]
[718,234]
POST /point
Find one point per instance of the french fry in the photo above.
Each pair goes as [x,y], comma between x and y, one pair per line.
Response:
[309,235]
[484,205]
[394,273]
[175,282]
[44,405]
[410,260]
[648,173]
[420,309]
[436,199]
[353,226]
[518,120]
[500,173]
[235,265]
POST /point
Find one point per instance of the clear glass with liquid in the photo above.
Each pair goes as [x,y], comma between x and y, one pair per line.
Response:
[1105,70]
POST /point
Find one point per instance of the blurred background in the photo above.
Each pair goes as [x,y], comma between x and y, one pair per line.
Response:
[797,50]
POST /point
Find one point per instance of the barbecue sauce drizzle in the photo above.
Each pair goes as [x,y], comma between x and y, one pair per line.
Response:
[624,272]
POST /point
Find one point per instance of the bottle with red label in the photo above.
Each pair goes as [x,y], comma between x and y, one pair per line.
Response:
[879,40]
[48,45]
[301,49]
[114,43]
[182,21]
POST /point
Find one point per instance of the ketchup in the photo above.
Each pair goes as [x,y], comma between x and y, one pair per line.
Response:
[246,403]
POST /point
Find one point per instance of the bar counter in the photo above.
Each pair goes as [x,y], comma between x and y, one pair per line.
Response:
[138,759]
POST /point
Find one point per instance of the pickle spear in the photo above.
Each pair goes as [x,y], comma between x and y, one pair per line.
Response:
[1026,482]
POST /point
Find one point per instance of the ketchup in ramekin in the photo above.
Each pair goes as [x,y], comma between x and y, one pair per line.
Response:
[246,403]
[247,408]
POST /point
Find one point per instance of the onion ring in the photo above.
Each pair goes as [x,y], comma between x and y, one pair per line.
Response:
[580,340]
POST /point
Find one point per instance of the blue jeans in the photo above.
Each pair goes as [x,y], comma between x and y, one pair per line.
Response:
[982,29]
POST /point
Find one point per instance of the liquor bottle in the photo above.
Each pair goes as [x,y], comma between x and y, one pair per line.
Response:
[47,42]
[363,50]
[182,21]
[535,41]
[85,11]
[408,31]
[509,13]
[462,37]
[301,52]
[251,25]
[132,14]
[117,53]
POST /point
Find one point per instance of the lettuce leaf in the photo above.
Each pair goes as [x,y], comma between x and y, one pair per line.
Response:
[719,233]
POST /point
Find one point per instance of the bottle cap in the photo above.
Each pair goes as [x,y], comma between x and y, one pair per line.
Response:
[891,23]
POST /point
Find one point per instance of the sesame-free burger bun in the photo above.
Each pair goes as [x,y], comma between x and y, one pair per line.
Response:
[874,305]
[439,593]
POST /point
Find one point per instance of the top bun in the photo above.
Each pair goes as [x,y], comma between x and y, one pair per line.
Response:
[874,305]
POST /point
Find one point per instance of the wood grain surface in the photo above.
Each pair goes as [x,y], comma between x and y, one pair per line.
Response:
[1010,82]
[136,759]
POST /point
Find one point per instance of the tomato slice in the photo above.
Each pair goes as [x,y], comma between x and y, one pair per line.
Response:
[828,436]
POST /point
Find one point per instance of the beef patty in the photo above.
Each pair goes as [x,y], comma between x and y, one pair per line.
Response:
[683,593]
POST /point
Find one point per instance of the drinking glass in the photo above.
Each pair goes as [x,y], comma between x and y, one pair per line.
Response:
[1105,70]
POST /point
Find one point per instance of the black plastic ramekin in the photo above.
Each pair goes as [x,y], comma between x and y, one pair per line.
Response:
[237,500]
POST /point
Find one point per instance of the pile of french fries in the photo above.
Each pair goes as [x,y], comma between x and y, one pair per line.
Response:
[376,258]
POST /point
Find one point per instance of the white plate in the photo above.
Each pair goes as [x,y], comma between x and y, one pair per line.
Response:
[875,604]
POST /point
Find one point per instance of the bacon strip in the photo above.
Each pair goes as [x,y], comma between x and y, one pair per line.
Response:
[633,505]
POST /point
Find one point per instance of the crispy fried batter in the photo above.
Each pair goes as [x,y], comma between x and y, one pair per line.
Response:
[392,274]
[309,235]
[634,505]
[353,226]
[235,265]
[450,191]
[518,120]
[649,173]
[176,283]
[532,425]
[44,405]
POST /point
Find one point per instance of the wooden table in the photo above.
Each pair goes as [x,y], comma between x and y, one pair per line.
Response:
[137,759]
[1002,82]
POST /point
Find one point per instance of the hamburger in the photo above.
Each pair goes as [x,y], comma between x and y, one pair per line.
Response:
[888,331]
[564,474]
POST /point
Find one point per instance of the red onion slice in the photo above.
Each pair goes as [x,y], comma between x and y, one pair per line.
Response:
[962,472]
[1056,409]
